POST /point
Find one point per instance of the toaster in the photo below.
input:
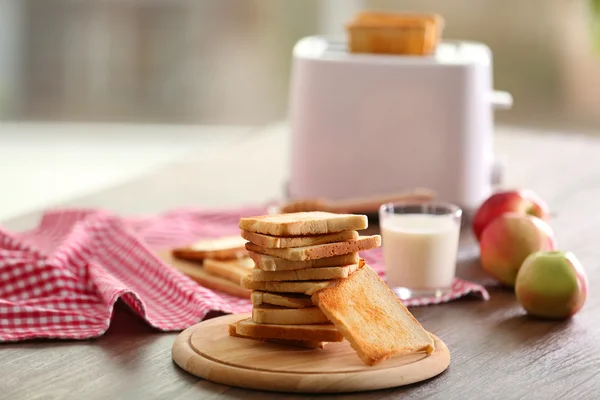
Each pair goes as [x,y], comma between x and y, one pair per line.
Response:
[369,124]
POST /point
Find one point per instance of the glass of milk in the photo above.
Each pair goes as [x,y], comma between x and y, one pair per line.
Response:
[420,246]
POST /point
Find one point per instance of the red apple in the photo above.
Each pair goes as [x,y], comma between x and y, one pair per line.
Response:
[522,201]
[551,284]
[508,240]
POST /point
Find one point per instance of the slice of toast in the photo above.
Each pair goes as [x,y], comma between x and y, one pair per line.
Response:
[290,300]
[277,242]
[310,274]
[269,263]
[371,317]
[311,344]
[232,270]
[222,248]
[320,250]
[307,287]
[303,223]
[318,332]
[270,314]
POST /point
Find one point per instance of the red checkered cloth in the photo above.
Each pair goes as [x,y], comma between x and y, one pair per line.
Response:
[62,279]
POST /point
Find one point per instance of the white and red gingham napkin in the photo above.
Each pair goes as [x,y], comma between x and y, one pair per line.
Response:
[62,279]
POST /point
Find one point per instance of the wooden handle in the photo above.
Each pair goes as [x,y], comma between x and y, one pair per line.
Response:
[358,205]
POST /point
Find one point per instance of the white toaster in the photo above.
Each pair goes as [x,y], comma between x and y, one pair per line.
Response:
[367,124]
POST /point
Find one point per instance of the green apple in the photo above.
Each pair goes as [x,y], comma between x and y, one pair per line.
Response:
[551,284]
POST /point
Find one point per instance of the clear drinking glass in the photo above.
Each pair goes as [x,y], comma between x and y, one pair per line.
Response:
[420,246]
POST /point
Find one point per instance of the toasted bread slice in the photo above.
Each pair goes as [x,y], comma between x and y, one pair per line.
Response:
[270,314]
[222,248]
[394,33]
[311,344]
[320,250]
[310,274]
[303,223]
[307,287]
[371,317]
[277,242]
[269,263]
[232,270]
[291,300]
[317,332]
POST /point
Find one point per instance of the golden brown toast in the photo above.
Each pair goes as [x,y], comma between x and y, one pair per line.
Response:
[270,314]
[303,223]
[310,274]
[307,287]
[320,250]
[311,344]
[278,242]
[232,270]
[394,33]
[371,317]
[222,248]
[291,300]
[269,263]
[318,332]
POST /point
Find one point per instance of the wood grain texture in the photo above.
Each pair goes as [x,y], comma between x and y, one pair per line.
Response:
[206,350]
[497,352]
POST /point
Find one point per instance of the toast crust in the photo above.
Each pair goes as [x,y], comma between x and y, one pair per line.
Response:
[318,332]
[291,300]
[303,223]
[371,317]
[310,274]
[269,263]
[311,344]
[307,287]
[319,251]
[270,314]
[222,248]
[277,242]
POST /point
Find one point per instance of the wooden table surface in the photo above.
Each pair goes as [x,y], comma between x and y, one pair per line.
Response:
[497,352]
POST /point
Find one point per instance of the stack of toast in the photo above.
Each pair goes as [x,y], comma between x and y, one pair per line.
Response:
[309,287]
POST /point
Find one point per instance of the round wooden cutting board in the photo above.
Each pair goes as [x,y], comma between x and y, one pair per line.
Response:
[207,351]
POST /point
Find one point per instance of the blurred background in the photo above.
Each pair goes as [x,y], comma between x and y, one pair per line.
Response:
[228,61]
[190,75]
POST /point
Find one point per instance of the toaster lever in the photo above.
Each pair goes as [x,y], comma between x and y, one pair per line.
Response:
[501,100]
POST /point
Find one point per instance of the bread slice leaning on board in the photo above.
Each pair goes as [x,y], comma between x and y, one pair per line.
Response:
[371,317]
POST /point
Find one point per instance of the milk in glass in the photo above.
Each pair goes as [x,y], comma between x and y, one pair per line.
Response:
[420,250]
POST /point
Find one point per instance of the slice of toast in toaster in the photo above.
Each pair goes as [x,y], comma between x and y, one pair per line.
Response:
[394,33]
[303,223]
